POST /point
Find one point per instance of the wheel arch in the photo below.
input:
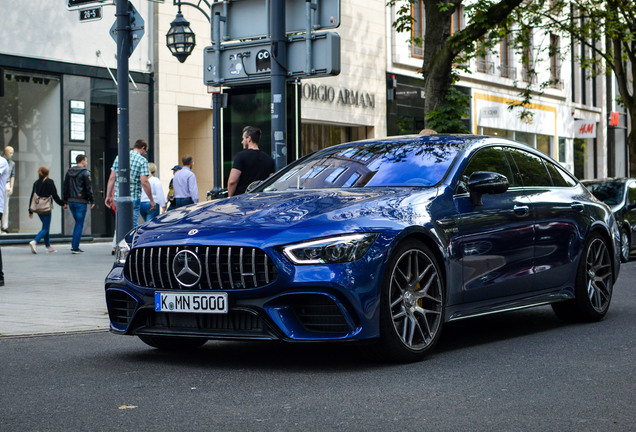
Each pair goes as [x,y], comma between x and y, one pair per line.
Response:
[604,233]
[432,243]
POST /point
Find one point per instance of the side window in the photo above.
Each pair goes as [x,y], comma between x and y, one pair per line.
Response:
[491,159]
[631,192]
[559,177]
[532,169]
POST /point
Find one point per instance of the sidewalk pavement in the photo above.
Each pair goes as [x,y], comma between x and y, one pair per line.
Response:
[54,292]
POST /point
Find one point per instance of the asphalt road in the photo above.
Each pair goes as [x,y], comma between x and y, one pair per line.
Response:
[522,370]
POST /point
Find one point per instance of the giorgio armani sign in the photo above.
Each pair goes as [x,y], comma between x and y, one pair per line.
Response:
[331,95]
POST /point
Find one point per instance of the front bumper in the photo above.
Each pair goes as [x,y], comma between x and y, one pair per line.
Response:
[332,302]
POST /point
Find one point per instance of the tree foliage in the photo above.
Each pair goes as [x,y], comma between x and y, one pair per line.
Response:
[606,27]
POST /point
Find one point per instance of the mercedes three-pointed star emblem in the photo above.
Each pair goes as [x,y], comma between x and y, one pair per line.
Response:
[187,268]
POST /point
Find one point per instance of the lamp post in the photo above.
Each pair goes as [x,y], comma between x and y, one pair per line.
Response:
[181,40]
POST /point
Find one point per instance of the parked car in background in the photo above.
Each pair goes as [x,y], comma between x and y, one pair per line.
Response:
[381,241]
[620,195]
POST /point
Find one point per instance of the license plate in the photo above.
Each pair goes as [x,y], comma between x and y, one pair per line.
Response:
[191,302]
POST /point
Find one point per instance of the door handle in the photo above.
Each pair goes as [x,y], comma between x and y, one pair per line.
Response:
[579,207]
[522,210]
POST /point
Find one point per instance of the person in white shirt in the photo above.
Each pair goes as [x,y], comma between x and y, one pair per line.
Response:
[185,184]
[157,194]
[4,176]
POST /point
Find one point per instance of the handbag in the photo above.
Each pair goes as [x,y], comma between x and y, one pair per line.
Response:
[41,205]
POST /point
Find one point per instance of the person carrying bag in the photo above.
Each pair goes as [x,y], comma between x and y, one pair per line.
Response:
[41,203]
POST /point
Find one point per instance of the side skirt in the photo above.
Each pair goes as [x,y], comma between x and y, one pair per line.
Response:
[460,312]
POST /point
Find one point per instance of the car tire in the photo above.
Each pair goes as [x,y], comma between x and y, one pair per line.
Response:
[625,245]
[412,304]
[172,343]
[594,284]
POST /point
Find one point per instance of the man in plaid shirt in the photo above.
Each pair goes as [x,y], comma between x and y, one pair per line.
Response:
[138,178]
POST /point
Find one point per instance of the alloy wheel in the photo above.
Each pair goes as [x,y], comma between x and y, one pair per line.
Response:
[624,246]
[599,275]
[415,295]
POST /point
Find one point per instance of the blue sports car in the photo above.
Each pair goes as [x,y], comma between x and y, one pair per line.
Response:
[381,241]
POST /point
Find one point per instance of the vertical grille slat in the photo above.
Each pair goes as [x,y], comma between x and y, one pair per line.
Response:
[229,267]
[241,268]
[207,266]
[254,268]
[222,267]
[143,266]
[159,267]
[218,267]
[168,266]
[265,260]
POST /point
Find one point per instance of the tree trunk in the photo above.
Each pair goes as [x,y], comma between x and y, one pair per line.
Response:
[631,143]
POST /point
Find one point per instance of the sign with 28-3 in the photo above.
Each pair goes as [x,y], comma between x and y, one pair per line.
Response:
[91,14]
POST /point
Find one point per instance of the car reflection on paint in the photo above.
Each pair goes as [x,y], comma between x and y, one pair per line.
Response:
[380,242]
[620,195]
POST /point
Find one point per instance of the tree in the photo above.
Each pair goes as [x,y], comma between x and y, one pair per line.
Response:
[445,53]
[608,29]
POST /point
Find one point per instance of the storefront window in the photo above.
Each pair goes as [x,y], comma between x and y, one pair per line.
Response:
[562,147]
[579,158]
[317,136]
[544,144]
[30,119]
[501,133]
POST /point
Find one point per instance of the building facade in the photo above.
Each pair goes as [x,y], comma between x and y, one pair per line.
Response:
[59,98]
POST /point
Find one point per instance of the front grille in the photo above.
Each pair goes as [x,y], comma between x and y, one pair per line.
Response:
[121,307]
[319,313]
[222,267]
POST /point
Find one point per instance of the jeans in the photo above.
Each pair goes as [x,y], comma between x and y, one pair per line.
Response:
[136,211]
[78,210]
[180,202]
[44,232]
[146,213]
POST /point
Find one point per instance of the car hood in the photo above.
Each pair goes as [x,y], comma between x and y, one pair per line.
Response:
[254,218]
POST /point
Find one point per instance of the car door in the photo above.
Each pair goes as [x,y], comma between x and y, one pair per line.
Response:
[495,240]
[560,217]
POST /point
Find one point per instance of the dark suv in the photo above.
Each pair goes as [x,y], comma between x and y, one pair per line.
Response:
[620,195]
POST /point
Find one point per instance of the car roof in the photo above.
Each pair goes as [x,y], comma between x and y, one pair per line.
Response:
[460,141]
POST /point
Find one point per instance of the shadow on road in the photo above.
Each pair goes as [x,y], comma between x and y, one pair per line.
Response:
[345,356]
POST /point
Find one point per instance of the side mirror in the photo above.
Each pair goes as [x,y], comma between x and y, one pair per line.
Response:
[253,185]
[485,182]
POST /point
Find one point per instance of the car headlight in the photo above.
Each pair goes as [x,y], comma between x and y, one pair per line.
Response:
[330,250]
[122,251]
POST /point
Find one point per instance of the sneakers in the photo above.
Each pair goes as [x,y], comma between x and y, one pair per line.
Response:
[34,246]
[76,251]
[50,250]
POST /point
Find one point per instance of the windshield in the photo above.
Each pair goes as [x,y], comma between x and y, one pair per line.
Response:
[611,193]
[368,165]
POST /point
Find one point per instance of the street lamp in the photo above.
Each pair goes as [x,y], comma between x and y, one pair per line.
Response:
[180,39]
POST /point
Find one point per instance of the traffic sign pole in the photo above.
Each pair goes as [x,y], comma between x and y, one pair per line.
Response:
[278,80]
[124,213]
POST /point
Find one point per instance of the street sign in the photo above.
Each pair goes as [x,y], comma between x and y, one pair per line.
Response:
[250,62]
[92,14]
[85,4]
[249,19]
[136,28]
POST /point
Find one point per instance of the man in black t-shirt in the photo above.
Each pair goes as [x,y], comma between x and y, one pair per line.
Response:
[249,165]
